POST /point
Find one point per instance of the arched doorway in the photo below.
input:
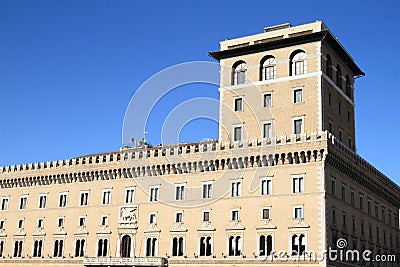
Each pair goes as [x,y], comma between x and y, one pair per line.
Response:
[126,246]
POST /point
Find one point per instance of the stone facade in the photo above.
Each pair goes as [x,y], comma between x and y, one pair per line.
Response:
[288,180]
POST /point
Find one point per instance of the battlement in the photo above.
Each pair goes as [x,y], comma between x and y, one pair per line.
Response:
[163,151]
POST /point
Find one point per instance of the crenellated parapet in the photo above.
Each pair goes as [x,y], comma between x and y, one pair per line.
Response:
[170,160]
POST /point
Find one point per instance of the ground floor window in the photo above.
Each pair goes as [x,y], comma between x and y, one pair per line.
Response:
[177,246]
[102,247]
[58,248]
[37,248]
[80,245]
[205,246]
[235,246]
[265,245]
[298,244]
[18,247]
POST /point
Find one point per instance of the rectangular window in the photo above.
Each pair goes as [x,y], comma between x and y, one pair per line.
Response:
[298,126]
[154,193]
[343,193]
[350,143]
[344,219]
[333,187]
[106,197]
[62,200]
[369,206]
[348,116]
[340,135]
[330,99]
[298,212]
[298,96]
[4,203]
[298,185]
[298,67]
[42,201]
[352,198]
[206,216]
[40,223]
[269,72]
[340,108]
[330,127]
[383,215]
[376,211]
[266,187]
[82,221]
[235,215]
[22,202]
[179,192]
[2,222]
[267,100]
[334,215]
[60,222]
[104,220]
[84,198]
[153,218]
[361,203]
[179,217]
[237,133]
[238,104]
[267,130]
[207,190]
[20,223]
[236,188]
[129,195]
[265,214]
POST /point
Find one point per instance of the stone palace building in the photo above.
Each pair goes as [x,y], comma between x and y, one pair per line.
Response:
[283,177]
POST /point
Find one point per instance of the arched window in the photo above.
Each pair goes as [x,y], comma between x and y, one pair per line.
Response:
[338,76]
[180,246]
[268,68]
[239,73]
[298,245]
[105,247]
[202,246]
[55,250]
[348,86]
[329,66]
[262,246]
[100,248]
[298,63]
[175,246]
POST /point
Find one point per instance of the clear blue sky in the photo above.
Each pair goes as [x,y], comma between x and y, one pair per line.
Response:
[69,68]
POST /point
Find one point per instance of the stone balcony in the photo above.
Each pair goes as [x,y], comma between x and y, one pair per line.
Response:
[138,261]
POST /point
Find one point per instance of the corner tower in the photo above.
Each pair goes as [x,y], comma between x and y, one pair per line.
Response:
[286,81]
